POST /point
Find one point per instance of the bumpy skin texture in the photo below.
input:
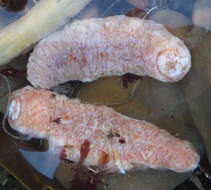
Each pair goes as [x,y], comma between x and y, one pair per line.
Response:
[88,49]
[116,142]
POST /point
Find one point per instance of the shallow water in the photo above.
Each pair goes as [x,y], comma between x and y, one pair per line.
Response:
[180,108]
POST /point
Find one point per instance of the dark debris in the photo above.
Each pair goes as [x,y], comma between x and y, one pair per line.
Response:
[8,182]
[13,5]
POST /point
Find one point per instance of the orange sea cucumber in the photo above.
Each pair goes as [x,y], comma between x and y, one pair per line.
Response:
[97,135]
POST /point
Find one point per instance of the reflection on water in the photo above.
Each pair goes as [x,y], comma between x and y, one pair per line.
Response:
[183,6]
[105,8]
[44,162]
[7,17]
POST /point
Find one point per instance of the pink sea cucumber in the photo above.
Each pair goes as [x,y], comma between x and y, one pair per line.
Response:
[88,49]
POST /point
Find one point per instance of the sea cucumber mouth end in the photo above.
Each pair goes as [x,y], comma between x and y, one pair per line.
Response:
[14,110]
[173,67]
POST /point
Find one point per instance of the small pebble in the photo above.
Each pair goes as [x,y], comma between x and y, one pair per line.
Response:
[170,18]
[202,14]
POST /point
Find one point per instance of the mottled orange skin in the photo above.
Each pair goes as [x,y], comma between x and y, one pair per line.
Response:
[115,142]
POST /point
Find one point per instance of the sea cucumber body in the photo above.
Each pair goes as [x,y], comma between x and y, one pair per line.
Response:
[88,49]
[115,142]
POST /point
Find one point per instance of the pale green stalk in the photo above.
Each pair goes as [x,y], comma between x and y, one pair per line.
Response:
[45,17]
